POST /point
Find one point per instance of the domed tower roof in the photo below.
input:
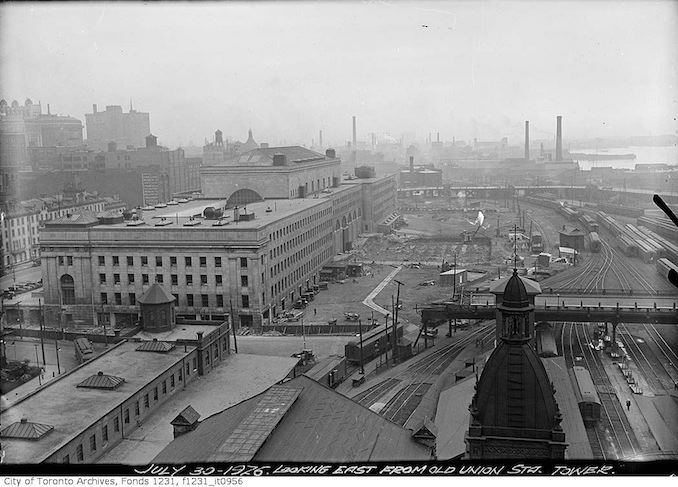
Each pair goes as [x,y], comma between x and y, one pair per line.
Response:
[515,294]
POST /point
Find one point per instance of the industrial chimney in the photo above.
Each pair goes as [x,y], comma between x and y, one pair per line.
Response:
[437,136]
[411,164]
[355,146]
[527,140]
[559,138]
[320,139]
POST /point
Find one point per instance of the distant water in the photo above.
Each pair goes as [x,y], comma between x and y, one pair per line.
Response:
[644,155]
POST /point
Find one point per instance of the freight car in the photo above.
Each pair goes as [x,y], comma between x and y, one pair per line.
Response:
[664,266]
[537,242]
[589,223]
[83,350]
[587,397]
[594,242]
[375,342]
[621,210]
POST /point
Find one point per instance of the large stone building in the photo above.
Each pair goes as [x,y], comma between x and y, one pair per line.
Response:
[112,125]
[254,243]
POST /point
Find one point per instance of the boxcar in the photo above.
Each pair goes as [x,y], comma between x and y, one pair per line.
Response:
[83,349]
[587,397]
[375,342]
[594,242]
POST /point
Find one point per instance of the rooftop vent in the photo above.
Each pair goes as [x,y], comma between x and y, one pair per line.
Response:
[279,160]
[331,153]
[163,222]
[191,222]
[135,223]
[102,381]
[25,430]
[155,346]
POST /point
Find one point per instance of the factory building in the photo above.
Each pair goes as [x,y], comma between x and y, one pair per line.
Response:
[571,237]
[239,248]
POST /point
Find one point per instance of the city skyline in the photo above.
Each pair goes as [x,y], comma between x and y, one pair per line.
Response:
[398,67]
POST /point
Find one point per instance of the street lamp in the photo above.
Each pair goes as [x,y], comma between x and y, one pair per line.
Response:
[56,345]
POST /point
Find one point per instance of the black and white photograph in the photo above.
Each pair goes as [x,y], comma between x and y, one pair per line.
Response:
[322,238]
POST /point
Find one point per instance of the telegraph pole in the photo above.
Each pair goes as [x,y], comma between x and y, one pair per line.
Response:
[395,340]
[235,340]
[360,330]
[42,332]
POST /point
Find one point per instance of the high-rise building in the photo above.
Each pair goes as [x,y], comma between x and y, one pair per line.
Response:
[112,125]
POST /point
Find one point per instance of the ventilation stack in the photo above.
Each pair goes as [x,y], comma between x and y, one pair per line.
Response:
[559,138]
[355,146]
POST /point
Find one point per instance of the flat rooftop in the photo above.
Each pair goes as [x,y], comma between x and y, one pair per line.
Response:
[176,216]
[238,378]
[71,409]
[179,332]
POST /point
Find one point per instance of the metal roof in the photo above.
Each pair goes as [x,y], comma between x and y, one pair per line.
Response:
[101,381]
[155,346]
[186,417]
[26,430]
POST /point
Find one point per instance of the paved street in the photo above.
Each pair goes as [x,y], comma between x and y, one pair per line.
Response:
[26,273]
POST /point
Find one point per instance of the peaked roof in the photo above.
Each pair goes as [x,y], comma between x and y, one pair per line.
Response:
[320,426]
[102,381]
[156,294]
[186,417]
[155,346]
[264,156]
[531,287]
[82,218]
[26,430]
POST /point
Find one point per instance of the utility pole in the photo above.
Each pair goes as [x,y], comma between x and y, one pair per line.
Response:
[395,341]
[235,340]
[386,344]
[395,324]
[360,330]
[454,277]
[56,346]
[42,333]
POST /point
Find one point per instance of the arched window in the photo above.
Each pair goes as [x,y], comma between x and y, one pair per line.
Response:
[67,289]
[337,226]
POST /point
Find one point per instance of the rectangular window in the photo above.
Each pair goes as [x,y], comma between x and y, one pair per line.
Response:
[130,278]
[155,393]
[203,279]
[102,260]
[217,262]
[102,278]
[66,459]
[188,261]
[175,279]
[164,387]
[243,281]
[172,380]
[176,299]
[144,260]
[205,300]
[218,280]
[220,301]
[245,301]
[189,300]
[118,298]
[126,416]
[189,279]
[146,401]
[132,299]
[93,443]
[69,260]
[104,432]
[130,260]
[195,363]
[61,260]
[181,374]
[158,261]
[173,261]
[78,453]
[159,278]
[136,408]
[144,278]
[188,370]
[203,261]
[116,424]
[116,278]
[116,261]
[104,298]
[243,262]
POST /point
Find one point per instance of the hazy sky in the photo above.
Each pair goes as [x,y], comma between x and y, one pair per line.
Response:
[289,69]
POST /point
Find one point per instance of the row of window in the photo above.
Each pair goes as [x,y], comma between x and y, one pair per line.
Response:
[188,261]
[174,279]
[191,299]
[292,227]
[287,262]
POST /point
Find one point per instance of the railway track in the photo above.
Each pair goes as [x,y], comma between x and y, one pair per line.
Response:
[371,395]
[402,405]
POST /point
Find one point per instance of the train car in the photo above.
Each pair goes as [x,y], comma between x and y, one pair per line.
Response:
[594,242]
[587,397]
[627,246]
[83,350]
[375,342]
[537,242]
[664,266]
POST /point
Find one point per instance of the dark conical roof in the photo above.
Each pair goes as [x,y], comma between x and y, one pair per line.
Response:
[515,294]
[156,294]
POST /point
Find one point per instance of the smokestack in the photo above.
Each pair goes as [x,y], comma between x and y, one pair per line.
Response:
[355,146]
[411,164]
[320,139]
[437,136]
[559,138]
[527,140]
[94,107]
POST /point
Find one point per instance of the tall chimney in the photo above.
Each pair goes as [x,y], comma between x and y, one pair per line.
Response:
[320,139]
[559,138]
[437,136]
[527,140]
[411,164]
[355,146]
[94,107]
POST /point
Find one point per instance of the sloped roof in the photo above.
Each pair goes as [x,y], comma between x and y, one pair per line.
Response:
[81,218]
[25,430]
[321,426]
[156,294]
[102,381]
[264,156]
[531,287]
[571,231]
[155,346]
[186,417]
